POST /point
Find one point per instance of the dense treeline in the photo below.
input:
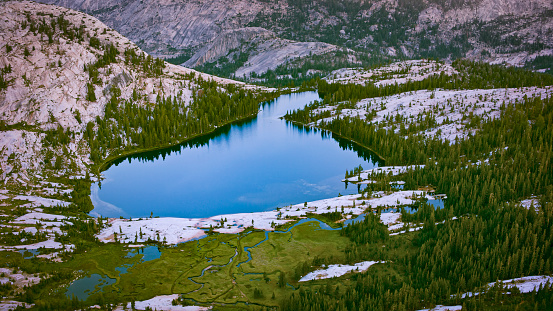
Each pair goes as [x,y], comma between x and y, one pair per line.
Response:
[369,230]
[466,253]
[490,240]
[472,75]
[378,293]
[519,150]
[541,62]
[395,149]
[457,257]
[128,124]
[225,66]
[80,196]
[180,58]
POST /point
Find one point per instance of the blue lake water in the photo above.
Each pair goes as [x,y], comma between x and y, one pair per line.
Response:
[84,287]
[29,253]
[251,166]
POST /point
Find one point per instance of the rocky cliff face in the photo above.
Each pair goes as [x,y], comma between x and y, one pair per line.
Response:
[508,30]
[265,50]
[167,27]
[44,85]
[227,41]
[208,29]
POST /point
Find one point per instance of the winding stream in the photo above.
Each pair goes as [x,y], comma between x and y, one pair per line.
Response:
[322,225]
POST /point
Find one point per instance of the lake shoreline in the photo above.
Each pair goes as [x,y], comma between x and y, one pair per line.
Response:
[174,230]
[255,164]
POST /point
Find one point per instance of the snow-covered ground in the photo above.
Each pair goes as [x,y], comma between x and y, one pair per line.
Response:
[38,201]
[12,305]
[450,108]
[49,244]
[163,303]
[37,217]
[176,230]
[46,223]
[529,203]
[524,284]
[333,271]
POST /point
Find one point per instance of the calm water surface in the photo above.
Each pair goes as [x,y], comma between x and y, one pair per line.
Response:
[256,165]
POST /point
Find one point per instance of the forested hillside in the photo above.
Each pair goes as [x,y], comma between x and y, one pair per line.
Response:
[457,210]
[482,234]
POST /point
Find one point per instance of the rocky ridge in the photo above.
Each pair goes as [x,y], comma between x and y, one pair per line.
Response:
[47,85]
[507,31]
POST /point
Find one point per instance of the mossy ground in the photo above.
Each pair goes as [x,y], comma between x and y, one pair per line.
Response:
[228,277]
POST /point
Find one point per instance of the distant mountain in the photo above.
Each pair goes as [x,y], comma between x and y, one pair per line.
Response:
[269,32]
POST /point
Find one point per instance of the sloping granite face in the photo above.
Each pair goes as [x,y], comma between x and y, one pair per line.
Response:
[47,83]
[510,31]
[164,27]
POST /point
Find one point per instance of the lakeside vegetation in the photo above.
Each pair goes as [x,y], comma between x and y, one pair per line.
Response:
[482,234]
[258,282]
[492,238]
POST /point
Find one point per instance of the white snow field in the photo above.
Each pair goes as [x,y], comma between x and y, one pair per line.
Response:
[333,271]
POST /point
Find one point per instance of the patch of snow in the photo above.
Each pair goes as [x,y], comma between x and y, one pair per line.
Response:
[164,303]
[333,271]
[401,232]
[528,203]
[44,244]
[173,230]
[444,308]
[38,201]
[35,217]
[12,305]
[525,284]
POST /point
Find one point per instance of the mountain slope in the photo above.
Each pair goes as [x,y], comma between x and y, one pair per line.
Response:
[494,31]
[59,71]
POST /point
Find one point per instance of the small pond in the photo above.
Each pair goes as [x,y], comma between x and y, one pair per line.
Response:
[84,287]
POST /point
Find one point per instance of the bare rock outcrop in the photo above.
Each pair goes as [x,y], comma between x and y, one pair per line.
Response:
[487,30]
[227,41]
[47,86]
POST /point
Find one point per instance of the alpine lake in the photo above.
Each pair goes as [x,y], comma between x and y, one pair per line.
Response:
[249,166]
[252,166]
